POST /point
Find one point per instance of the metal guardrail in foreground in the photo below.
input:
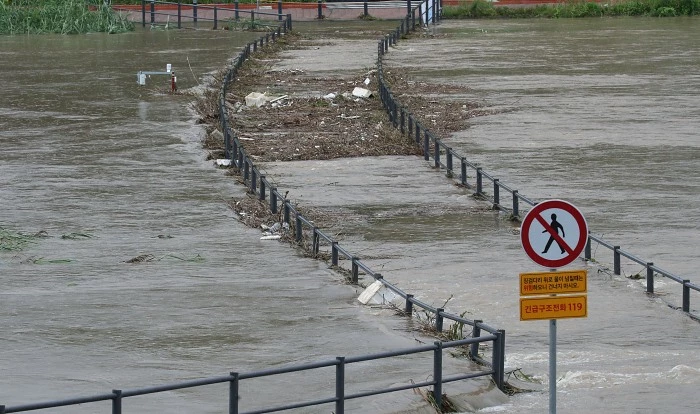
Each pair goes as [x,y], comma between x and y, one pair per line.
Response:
[444,157]
[234,379]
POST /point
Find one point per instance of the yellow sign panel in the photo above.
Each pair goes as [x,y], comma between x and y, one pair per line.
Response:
[546,283]
[553,307]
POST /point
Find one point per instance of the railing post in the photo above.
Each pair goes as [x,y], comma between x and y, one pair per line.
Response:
[246,169]
[408,7]
[587,250]
[334,253]
[616,260]
[496,194]
[286,211]
[436,155]
[516,204]
[233,394]
[438,319]
[650,278]
[262,187]
[448,152]
[273,200]
[320,12]
[153,11]
[686,296]
[340,386]
[215,17]
[498,358]
[366,12]
[235,13]
[279,10]
[298,228]
[464,170]
[240,158]
[143,13]
[117,402]
[179,14]
[434,11]
[403,120]
[315,241]
[194,12]
[426,146]
[410,125]
[253,181]
[409,305]
[289,23]
[437,375]
[476,332]
[479,181]
[355,271]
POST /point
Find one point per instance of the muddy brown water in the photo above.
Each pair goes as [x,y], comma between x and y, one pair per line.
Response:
[85,150]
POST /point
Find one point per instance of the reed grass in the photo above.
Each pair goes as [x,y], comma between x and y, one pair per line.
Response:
[60,16]
[572,9]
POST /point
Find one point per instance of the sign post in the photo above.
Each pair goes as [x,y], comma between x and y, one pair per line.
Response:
[553,234]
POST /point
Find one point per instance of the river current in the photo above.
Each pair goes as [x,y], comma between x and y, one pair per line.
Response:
[603,113]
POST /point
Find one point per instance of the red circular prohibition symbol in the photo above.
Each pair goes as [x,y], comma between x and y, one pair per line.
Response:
[571,252]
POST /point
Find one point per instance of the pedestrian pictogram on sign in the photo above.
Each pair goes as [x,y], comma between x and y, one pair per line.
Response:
[553,233]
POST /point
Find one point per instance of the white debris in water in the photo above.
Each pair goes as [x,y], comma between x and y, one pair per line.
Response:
[223,162]
[377,294]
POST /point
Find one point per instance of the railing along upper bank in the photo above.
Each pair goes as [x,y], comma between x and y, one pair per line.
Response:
[192,11]
[444,157]
[304,229]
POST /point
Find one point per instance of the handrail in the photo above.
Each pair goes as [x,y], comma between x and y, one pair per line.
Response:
[406,122]
[257,183]
[234,378]
[194,7]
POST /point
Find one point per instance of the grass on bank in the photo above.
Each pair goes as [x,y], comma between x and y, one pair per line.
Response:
[60,16]
[570,9]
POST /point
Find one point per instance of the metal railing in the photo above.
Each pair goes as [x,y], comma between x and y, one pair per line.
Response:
[190,11]
[234,379]
[444,157]
[303,229]
[258,184]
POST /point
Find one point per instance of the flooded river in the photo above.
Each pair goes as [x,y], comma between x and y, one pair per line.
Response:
[111,171]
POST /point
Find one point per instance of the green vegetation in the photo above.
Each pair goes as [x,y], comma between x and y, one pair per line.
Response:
[60,16]
[570,9]
[13,241]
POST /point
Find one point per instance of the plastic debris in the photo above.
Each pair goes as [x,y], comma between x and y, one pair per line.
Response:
[258,99]
[271,237]
[223,162]
[361,92]
[377,294]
